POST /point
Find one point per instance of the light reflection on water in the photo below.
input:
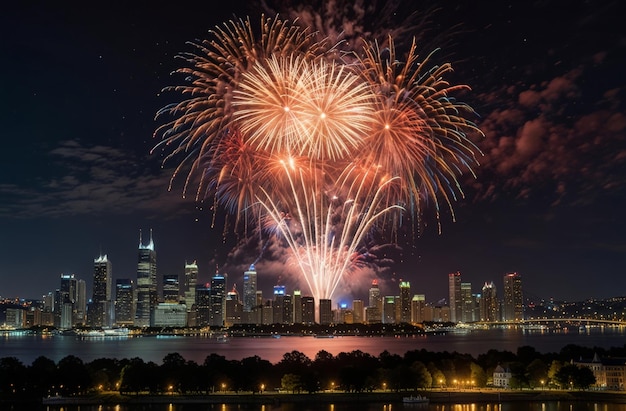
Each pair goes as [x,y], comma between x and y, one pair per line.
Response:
[28,348]
[513,406]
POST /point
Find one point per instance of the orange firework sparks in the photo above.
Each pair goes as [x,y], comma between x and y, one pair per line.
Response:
[320,151]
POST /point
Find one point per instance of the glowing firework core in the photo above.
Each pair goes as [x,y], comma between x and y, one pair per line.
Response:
[317,150]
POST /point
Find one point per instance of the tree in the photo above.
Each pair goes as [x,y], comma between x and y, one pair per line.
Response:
[291,382]
[537,372]
[73,376]
[477,375]
[12,376]
[41,376]
[423,379]
[572,376]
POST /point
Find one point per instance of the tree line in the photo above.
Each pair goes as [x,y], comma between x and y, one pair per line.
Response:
[354,371]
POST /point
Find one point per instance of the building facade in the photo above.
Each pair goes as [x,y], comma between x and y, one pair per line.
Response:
[513,302]
[456,300]
[146,286]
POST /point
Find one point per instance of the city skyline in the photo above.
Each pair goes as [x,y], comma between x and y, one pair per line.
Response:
[78,181]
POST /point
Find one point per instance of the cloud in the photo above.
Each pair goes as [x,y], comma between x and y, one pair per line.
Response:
[90,180]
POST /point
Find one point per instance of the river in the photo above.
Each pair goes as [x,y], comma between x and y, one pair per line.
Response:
[28,347]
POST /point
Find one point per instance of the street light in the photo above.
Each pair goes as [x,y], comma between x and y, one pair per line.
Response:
[542,382]
[223,387]
[384,386]
[262,388]
[440,383]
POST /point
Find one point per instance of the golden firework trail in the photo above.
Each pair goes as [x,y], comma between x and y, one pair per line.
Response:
[280,133]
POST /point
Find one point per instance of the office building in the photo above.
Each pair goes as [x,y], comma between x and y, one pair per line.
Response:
[171,289]
[389,309]
[170,315]
[249,289]
[374,309]
[146,286]
[404,305]
[418,304]
[489,305]
[124,307]
[297,307]
[513,304]
[468,303]
[326,311]
[456,302]
[234,308]
[100,307]
[358,309]
[203,305]
[189,285]
[308,310]
[218,300]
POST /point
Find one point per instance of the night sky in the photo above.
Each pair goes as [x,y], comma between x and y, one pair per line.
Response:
[80,86]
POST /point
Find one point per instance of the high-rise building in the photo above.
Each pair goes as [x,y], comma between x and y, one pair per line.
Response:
[375,307]
[405,302]
[171,289]
[100,308]
[124,307]
[308,310]
[468,303]
[326,311]
[418,303]
[203,304]
[189,286]
[297,307]
[389,309]
[218,300]
[513,299]
[65,301]
[80,308]
[358,311]
[146,283]
[489,305]
[249,289]
[234,308]
[278,304]
[456,302]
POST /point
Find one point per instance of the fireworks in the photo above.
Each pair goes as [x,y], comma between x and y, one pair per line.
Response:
[281,133]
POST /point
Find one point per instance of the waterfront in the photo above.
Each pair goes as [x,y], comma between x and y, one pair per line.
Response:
[395,406]
[475,342]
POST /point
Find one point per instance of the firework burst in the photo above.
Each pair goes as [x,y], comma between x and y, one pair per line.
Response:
[281,133]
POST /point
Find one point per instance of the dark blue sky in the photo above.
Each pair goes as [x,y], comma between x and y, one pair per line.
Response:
[81,85]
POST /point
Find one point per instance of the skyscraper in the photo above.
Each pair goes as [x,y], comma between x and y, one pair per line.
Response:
[468,303]
[218,300]
[308,310]
[389,309]
[124,307]
[489,303]
[99,309]
[278,304]
[513,298]
[146,283]
[358,309]
[297,307]
[203,304]
[374,310]
[65,302]
[189,286]
[326,311]
[418,304]
[405,302]
[171,289]
[456,302]
[249,289]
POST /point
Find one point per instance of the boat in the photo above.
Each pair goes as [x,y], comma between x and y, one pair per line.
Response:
[415,399]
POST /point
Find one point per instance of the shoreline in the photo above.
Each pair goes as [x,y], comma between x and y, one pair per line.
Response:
[435,396]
